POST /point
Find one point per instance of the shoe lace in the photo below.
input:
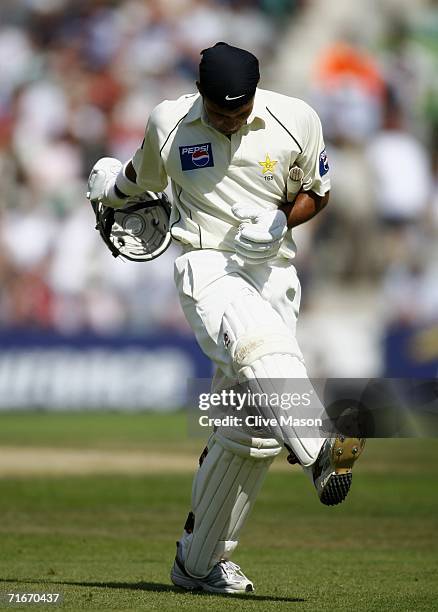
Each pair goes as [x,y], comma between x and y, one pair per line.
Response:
[231,569]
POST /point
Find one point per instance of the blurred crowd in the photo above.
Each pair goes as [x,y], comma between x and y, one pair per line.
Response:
[377,97]
[77,82]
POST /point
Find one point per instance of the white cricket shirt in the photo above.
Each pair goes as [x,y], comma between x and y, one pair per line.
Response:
[210,172]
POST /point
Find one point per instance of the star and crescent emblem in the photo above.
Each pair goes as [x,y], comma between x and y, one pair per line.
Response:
[268,165]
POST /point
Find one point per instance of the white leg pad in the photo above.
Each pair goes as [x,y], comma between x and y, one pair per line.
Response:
[224,491]
[263,349]
[260,378]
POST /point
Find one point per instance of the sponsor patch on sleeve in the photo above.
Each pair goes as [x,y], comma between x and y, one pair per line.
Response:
[323,163]
[197,156]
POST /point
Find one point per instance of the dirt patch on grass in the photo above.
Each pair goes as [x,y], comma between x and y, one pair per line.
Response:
[27,461]
[19,461]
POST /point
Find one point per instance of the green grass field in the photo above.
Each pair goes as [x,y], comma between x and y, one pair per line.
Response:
[106,541]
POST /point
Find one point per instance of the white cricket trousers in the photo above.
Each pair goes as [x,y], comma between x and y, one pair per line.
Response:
[209,281]
[257,307]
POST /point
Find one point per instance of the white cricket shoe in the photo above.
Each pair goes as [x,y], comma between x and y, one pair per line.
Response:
[225,577]
[332,470]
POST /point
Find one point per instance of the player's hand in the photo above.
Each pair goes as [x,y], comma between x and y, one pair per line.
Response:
[102,179]
[260,234]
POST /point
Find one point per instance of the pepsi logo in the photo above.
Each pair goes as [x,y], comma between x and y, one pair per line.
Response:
[196,156]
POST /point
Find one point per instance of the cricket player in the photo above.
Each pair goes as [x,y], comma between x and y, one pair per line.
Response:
[246,166]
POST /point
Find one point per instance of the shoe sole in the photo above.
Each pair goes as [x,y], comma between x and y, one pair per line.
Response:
[344,453]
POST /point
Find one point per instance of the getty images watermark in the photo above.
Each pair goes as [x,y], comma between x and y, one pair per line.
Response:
[237,403]
[284,408]
[278,408]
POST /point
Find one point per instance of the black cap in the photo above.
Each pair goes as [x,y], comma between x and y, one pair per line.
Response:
[228,75]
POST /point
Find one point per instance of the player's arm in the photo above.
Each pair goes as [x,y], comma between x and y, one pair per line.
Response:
[309,194]
[307,204]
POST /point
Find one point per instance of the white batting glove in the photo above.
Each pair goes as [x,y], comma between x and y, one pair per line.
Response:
[294,182]
[102,180]
[260,234]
